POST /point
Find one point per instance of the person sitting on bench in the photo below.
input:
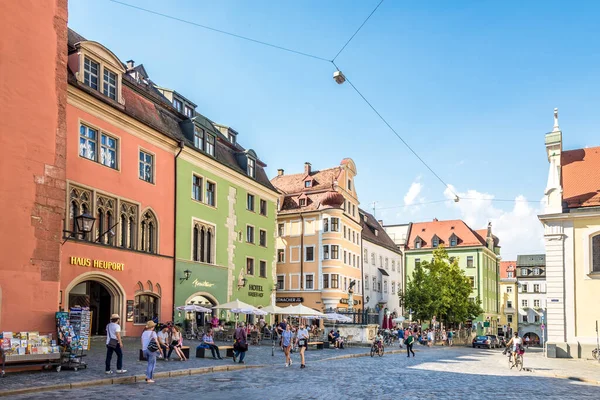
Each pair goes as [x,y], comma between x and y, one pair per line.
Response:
[208,340]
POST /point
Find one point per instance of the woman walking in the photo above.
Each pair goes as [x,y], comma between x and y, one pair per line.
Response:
[409,341]
[151,349]
[286,343]
[302,341]
[114,344]
[240,347]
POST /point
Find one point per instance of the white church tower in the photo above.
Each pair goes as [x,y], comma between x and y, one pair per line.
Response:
[553,192]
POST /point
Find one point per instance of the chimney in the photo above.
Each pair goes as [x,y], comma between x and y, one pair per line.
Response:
[380,222]
[307,169]
[489,230]
[130,64]
[435,220]
[280,172]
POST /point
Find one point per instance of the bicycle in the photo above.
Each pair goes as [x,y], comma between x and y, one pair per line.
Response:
[377,348]
[518,362]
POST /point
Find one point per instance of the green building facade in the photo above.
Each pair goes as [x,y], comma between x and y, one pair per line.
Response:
[225,222]
[477,253]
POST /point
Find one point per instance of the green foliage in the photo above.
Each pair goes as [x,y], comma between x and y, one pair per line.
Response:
[440,288]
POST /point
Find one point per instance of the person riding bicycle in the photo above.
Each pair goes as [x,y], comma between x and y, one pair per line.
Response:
[517,345]
[378,339]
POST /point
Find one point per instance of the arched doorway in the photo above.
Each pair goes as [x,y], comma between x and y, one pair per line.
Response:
[534,339]
[205,300]
[101,294]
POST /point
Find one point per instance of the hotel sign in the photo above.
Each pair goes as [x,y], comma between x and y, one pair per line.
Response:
[100,264]
[255,291]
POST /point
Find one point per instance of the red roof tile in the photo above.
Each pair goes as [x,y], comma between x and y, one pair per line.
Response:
[506,266]
[444,230]
[581,177]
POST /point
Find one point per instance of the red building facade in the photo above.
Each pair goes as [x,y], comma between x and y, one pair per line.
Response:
[33,162]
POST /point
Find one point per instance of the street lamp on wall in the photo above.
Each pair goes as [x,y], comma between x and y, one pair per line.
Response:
[242,283]
[186,275]
[84,224]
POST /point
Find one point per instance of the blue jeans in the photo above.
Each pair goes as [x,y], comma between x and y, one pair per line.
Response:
[109,353]
[240,354]
[151,356]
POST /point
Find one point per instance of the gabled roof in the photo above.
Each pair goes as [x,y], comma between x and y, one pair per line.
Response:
[581,177]
[444,229]
[322,180]
[506,266]
[368,232]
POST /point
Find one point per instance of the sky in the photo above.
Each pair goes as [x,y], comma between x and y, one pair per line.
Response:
[470,85]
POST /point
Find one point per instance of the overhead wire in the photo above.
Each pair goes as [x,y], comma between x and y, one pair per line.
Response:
[332,61]
[359,28]
[452,200]
[249,39]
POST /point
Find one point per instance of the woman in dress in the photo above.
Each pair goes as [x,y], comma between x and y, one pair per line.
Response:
[151,349]
[240,346]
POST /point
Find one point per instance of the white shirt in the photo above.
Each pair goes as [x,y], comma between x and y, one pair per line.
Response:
[111,331]
[516,342]
[146,337]
[164,337]
[302,333]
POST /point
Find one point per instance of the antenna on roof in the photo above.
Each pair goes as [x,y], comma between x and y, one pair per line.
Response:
[374,206]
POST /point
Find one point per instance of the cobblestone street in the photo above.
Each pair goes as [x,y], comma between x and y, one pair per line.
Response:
[434,373]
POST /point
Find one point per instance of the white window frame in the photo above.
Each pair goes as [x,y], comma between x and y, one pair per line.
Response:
[536,302]
[145,163]
[251,167]
[292,260]
[326,281]
[313,281]
[282,233]
[292,275]
[248,202]
[331,251]
[326,251]
[201,199]
[253,234]
[314,254]
[107,86]
[277,281]
[524,303]
[325,221]
[331,224]
[367,280]
[509,289]
[277,254]
[209,182]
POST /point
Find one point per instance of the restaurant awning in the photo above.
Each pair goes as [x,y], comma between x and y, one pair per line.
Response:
[383,272]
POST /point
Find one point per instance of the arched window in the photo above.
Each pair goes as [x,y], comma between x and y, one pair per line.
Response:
[195,246]
[148,232]
[208,246]
[105,208]
[145,308]
[80,201]
[129,215]
[203,243]
[596,253]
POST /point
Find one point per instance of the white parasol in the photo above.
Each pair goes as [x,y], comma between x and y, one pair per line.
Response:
[272,309]
[301,310]
[194,308]
[337,317]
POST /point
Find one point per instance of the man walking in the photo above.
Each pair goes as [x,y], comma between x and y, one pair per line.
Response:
[114,343]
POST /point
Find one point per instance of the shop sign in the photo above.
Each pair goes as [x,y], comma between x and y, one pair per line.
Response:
[290,299]
[345,301]
[255,291]
[197,283]
[88,262]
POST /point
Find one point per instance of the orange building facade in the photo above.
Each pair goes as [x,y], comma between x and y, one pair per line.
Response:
[319,238]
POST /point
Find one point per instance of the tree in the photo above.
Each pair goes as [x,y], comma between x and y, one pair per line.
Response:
[440,288]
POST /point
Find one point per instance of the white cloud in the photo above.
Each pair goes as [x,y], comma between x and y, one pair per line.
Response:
[518,228]
[413,193]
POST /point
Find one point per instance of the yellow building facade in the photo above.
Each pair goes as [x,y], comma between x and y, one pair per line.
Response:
[508,322]
[318,238]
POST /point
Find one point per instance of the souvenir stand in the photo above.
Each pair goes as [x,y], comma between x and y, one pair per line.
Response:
[73,336]
[22,350]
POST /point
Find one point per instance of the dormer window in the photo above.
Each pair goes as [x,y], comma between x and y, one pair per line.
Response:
[178,104]
[453,240]
[302,202]
[210,144]
[418,243]
[435,242]
[90,73]
[110,84]
[199,138]
[376,232]
[251,168]
[231,137]
[307,184]
[189,112]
